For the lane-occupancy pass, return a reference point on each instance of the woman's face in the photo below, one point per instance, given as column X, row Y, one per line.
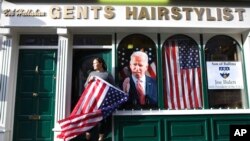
column 97, row 65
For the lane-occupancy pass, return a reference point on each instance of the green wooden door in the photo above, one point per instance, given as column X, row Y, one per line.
column 35, row 97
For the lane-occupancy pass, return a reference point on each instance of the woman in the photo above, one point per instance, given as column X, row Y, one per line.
column 100, row 70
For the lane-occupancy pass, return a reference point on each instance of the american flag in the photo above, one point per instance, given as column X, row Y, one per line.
column 182, row 78
column 151, row 70
column 98, row 101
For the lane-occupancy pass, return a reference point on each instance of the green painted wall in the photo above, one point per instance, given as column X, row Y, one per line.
column 176, row 128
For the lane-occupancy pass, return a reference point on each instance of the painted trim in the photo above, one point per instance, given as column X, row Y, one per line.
column 38, row 47
column 181, row 112
column 92, row 47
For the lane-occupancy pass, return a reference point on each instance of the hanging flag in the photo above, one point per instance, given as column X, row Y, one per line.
column 98, row 101
column 182, row 78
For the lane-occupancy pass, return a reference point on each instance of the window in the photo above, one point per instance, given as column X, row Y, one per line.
column 127, row 46
column 182, row 86
column 188, row 76
column 144, row 96
column 32, row 40
column 95, row 39
column 224, row 73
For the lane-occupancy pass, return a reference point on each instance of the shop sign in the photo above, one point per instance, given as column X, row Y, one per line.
column 114, row 15
column 224, row 75
column 132, row 13
column 135, row 1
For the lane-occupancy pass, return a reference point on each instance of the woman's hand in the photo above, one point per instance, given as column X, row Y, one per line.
column 91, row 79
column 126, row 85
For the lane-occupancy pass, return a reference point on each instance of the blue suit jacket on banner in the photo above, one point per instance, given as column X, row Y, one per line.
column 151, row 95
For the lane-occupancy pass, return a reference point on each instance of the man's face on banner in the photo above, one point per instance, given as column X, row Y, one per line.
column 138, row 66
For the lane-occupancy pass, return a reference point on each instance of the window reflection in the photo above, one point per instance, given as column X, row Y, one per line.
column 45, row 40
column 147, row 96
column 127, row 46
column 224, row 50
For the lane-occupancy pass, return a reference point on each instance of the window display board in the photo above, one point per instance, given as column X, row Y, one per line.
column 224, row 75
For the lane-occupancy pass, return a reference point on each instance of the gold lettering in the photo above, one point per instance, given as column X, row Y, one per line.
column 219, row 17
column 109, row 12
column 228, row 16
column 133, row 13
column 55, row 12
column 209, row 16
column 96, row 10
column 143, row 14
column 240, row 12
column 153, row 16
column 163, row 12
column 188, row 11
column 199, row 13
column 130, row 13
column 82, row 12
column 68, row 12
column 176, row 13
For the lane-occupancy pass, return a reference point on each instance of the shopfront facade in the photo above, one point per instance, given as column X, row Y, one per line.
column 198, row 54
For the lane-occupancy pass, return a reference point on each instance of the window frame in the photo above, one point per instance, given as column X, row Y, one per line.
column 201, row 40
column 238, row 39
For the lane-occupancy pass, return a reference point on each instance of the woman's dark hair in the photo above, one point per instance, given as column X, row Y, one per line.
column 100, row 60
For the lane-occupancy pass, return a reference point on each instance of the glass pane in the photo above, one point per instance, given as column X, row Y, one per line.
column 92, row 39
column 181, row 73
column 224, row 73
column 35, row 40
column 133, row 43
column 142, row 44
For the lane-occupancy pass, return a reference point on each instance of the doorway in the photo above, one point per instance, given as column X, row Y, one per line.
column 82, row 66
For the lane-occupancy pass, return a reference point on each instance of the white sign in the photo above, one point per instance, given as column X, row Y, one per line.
column 224, row 75
column 67, row 15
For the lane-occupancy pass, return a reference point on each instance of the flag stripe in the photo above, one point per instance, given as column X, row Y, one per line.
column 151, row 70
column 168, row 77
column 88, row 124
column 78, row 118
column 98, row 96
column 182, row 76
column 194, row 88
column 84, row 127
column 85, row 95
column 91, row 98
column 184, row 94
column 175, row 71
column 199, row 90
column 98, row 101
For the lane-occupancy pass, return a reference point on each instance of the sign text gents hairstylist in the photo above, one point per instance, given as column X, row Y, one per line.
column 36, row 15
column 148, row 13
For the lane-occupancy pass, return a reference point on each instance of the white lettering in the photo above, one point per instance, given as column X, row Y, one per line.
column 239, row 132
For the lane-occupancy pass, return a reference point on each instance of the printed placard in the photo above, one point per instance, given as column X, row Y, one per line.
column 224, row 75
